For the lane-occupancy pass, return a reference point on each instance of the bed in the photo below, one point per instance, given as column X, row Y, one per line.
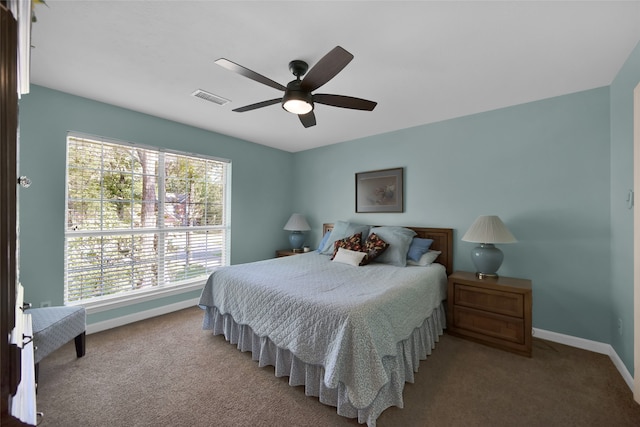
column 352, row 335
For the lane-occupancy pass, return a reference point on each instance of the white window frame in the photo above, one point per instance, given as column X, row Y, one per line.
column 103, row 303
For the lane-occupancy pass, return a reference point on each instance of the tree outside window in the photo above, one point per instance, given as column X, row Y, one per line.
column 139, row 218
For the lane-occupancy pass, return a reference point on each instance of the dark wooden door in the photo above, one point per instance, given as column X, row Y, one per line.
column 9, row 354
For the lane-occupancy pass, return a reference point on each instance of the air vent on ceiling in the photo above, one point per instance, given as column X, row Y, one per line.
column 199, row 93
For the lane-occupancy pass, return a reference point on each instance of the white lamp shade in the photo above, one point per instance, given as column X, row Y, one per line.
column 488, row 229
column 297, row 222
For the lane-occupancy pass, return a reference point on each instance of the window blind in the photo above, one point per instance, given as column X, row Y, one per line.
column 139, row 218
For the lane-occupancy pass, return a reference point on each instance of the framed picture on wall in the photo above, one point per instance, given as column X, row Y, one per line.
column 380, row 191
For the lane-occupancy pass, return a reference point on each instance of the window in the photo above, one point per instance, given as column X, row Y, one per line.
column 139, row 219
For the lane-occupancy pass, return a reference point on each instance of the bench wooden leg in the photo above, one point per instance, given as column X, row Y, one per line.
column 80, row 344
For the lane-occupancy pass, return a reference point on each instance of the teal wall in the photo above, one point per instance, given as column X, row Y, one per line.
column 621, row 216
column 543, row 167
column 557, row 172
column 46, row 116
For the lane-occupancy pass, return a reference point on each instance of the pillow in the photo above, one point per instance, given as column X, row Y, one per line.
column 373, row 247
column 399, row 240
column 418, row 248
column 342, row 229
column 339, row 231
column 353, row 243
column 425, row 259
column 323, row 241
column 346, row 256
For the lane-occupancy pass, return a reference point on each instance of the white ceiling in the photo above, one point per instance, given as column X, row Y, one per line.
column 422, row 61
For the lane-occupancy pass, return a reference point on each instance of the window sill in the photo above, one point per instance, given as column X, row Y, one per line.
column 112, row 303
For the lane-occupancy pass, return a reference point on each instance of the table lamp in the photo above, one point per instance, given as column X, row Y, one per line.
column 487, row 230
column 297, row 224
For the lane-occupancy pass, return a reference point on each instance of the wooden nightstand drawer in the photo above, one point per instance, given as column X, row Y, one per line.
column 488, row 324
column 507, row 303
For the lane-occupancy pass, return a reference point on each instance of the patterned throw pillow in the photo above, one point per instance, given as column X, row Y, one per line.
column 373, row 247
column 353, row 243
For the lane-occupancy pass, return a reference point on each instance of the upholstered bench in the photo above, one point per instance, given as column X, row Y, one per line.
column 53, row 327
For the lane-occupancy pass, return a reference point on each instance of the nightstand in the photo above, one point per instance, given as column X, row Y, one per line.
column 491, row 311
column 288, row 252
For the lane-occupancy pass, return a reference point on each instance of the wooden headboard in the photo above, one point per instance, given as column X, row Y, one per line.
column 442, row 241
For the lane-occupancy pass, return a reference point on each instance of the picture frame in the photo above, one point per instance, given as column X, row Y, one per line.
column 380, row 191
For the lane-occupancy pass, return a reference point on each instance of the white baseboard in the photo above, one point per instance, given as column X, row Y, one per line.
column 147, row 314
column 594, row 346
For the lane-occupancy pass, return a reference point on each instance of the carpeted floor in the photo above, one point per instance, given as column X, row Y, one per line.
column 167, row 371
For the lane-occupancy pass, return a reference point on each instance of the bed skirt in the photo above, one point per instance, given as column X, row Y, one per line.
column 400, row 368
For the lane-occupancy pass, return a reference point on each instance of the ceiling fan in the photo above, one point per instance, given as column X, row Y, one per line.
column 298, row 98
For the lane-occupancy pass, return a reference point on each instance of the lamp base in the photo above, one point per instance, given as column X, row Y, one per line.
column 487, row 260
column 296, row 240
column 486, row 275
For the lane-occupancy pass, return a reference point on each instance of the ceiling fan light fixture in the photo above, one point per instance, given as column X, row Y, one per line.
column 296, row 100
column 297, row 106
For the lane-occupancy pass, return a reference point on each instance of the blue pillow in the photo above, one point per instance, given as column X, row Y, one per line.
column 342, row 229
column 338, row 232
column 418, row 248
column 399, row 240
column 323, row 241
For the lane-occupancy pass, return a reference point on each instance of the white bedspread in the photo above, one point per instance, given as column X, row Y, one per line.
column 341, row 317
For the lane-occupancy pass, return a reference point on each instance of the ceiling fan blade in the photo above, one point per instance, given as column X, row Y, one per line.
column 232, row 66
column 344, row 101
column 308, row 119
column 326, row 69
column 258, row 105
